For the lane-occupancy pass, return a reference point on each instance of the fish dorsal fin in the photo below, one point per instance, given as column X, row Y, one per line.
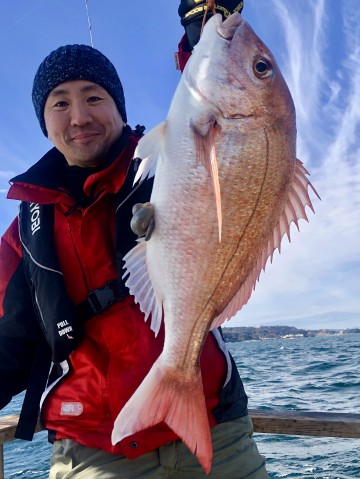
column 149, row 149
column 298, row 199
column 204, row 128
column 140, row 286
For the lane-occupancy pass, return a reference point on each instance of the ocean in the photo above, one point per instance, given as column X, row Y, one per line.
column 304, row 374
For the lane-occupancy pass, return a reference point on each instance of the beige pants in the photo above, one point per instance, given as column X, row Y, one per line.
column 235, row 457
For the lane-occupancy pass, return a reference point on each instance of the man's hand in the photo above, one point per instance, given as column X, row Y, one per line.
column 192, row 12
column 142, row 222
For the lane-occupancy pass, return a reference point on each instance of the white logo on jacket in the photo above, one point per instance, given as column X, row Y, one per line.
column 35, row 217
column 64, row 328
column 71, row 409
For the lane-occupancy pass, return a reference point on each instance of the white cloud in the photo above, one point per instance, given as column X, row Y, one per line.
column 316, row 276
column 6, row 174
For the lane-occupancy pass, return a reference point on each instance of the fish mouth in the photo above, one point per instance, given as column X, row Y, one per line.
column 228, row 27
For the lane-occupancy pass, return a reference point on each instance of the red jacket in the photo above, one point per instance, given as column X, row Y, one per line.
column 117, row 348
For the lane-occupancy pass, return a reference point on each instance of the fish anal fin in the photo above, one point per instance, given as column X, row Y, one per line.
column 163, row 397
column 204, row 128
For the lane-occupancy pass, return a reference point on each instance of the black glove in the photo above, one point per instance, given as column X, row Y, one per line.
column 191, row 13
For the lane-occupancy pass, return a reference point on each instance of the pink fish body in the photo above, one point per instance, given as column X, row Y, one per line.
column 227, row 186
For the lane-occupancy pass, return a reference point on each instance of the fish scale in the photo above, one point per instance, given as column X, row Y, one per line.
column 227, row 186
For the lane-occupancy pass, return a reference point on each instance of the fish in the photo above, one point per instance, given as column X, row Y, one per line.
column 227, row 186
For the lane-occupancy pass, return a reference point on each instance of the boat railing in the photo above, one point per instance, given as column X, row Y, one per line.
column 297, row 423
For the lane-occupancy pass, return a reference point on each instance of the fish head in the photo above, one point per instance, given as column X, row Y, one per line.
column 235, row 75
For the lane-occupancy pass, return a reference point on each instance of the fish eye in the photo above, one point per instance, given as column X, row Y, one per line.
column 262, row 67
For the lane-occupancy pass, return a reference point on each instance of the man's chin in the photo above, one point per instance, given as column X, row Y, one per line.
column 86, row 156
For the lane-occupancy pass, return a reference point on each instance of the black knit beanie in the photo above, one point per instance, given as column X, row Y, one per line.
column 75, row 62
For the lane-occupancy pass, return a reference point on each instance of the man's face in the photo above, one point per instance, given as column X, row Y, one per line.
column 82, row 121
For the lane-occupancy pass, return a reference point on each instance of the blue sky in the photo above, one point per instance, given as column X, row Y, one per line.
column 314, row 283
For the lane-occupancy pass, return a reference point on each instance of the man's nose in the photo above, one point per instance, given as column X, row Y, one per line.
column 80, row 114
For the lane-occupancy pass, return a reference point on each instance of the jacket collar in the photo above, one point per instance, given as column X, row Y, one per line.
column 44, row 181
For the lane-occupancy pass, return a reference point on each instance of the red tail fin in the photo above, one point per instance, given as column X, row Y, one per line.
column 165, row 395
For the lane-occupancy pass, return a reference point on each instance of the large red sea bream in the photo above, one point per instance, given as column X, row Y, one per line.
column 227, row 186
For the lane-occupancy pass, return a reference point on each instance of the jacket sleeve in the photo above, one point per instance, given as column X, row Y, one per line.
column 19, row 329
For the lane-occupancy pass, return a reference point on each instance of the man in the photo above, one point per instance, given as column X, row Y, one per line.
column 62, row 299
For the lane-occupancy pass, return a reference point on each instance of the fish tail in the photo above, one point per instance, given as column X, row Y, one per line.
column 180, row 403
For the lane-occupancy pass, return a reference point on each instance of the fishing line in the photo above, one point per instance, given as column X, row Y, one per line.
column 89, row 23
column 210, row 6
column 128, row 196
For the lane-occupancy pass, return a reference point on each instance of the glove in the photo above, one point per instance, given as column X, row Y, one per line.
column 142, row 222
column 191, row 13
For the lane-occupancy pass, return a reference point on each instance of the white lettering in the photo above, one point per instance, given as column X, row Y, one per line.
column 65, row 331
column 35, row 225
column 62, row 324
column 35, row 217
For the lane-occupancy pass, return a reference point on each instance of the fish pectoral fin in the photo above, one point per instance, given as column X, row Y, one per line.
column 149, row 149
column 216, row 185
column 204, row 128
column 164, row 397
column 140, row 285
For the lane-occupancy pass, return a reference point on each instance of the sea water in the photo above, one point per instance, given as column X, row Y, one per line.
column 304, row 374
column 301, row 374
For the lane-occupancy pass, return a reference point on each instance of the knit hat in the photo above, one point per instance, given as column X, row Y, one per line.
column 75, row 62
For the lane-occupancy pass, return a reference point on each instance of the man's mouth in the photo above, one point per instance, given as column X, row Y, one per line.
column 84, row 136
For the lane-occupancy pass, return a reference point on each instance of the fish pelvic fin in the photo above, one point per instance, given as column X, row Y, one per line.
column 204, row 128
column 164, row 397
column 298, row 199
column 140, row 285
column 149, row 149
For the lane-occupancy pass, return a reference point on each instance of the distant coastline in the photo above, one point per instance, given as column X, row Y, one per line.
column 261, row 333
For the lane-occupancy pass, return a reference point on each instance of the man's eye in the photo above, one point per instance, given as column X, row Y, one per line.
column 93, row 99
column 61, row 104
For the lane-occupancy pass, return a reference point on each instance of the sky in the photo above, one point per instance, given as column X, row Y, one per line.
column 314, row 282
